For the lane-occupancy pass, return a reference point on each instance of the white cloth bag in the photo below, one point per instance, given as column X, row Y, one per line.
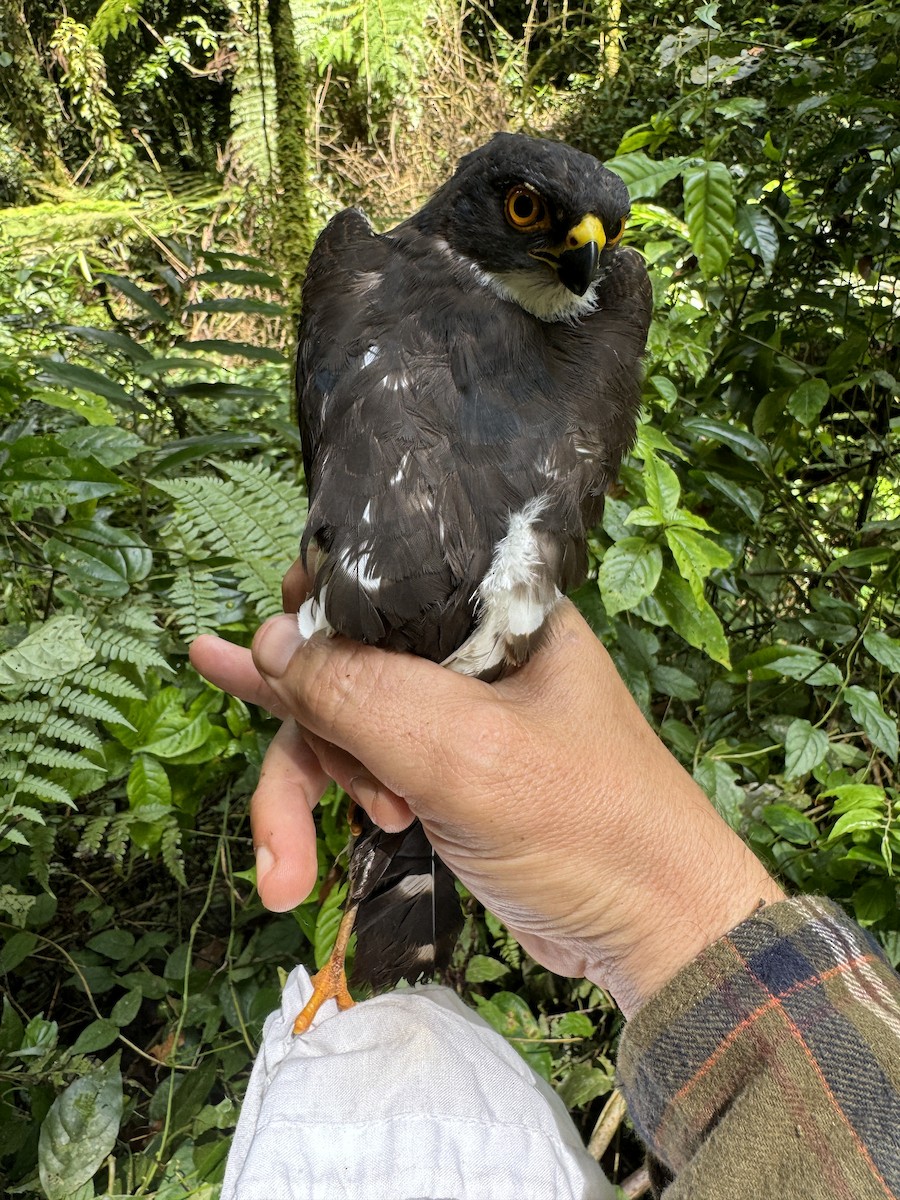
column 408, row 1096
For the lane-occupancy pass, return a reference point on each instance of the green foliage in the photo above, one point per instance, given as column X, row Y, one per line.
column 758, row 519
column 744, row 578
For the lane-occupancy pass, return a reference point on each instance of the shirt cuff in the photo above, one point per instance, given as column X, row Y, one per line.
column 797, row 993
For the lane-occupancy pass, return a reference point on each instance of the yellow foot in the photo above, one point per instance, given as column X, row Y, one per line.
column 328, row 984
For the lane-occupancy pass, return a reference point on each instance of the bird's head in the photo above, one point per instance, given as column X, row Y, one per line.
column 539, row 219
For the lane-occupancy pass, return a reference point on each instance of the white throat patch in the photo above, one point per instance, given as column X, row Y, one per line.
column 545, row 299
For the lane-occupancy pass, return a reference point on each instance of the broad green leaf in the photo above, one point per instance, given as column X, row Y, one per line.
column 235, row 304
column 662, row 488
column 884, row 649
column 110, row 447
column 94, row 409
column 741, row 441
column 573, row 1024
column 709, row 211
column 15, row 949
column 584, row 1083
column 808, row 400
column 629, row 572
column 85, row 379
column 747, row 499
column 797, row 662
column 876, row 899
column 707, row 14
column 113, row 943
column 139, row 297
column 240, row 275
column 175, row 453
column 867, row 556
column 126, row 1008
column 695, row 556
column 481, row 969
column 693, row 619
column 665, row 387
column 148, row 783
column 53, row 649
column 867, row 711
column 804, row 748
column 113, row 338
column 189, row 737
column 855, row 795
column 96, row 1036
column 855, row 820
column 99, row 557
column 643, row 177
column 790, row 824
column 233, row 349
column 672, row 682
column 80, row 1130
column 327, row 923
column 757, row 233
column 11, row 1028
column 719, row 780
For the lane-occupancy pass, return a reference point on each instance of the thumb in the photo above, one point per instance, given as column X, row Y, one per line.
column 396, row 713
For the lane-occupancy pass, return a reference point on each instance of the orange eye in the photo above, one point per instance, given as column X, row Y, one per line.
column 525, row 209
column 614, row 241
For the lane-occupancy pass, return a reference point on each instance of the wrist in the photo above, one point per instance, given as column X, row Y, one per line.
column 678, row 920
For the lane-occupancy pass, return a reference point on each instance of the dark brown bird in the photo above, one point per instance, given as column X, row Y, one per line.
column 468, row 384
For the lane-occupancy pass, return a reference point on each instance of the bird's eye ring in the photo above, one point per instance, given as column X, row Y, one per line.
column 525, row 209
column 614, row 241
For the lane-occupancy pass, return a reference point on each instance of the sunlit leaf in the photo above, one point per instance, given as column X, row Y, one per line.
column 629, row 572
column 709, row 211
column 804, row 748
column 867, row 710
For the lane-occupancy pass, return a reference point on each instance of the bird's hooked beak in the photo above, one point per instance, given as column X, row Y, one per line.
column 576, row 260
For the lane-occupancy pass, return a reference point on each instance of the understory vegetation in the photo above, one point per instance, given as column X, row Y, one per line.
column 161, row 186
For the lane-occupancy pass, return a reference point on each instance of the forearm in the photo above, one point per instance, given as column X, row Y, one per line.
column 770, row 1065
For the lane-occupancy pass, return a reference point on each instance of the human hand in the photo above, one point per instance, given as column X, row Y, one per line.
column 546, row 793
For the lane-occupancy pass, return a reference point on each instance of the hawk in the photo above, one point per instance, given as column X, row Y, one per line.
column 468, row 383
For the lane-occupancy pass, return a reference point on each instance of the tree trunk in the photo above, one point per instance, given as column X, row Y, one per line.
column 293, row 221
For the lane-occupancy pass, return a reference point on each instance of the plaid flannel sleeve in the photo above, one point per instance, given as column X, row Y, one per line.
column 770, row 1066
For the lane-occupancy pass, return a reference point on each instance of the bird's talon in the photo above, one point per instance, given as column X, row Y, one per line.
column 328, row 984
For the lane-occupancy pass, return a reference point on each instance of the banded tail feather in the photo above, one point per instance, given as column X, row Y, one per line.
column 409, row 913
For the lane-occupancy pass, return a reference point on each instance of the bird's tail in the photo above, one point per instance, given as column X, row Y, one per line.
column 409, row 912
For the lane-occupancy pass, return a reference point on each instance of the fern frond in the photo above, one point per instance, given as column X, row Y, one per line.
column 254, row 123
column 26, row 712
column 136, row 617
column 52, row 756
column 92, row 836
column 195, row 603
column 170, row 844
column 119, row 646
column 251, row 518
column 383, row 39
column 117, row 835
column 45, row 789
column 112, row 18
column 43, row 839
column 98, row 679
column 83, row 704
column 37, row 713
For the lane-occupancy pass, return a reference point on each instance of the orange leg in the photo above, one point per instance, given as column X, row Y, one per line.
column 331, row 982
